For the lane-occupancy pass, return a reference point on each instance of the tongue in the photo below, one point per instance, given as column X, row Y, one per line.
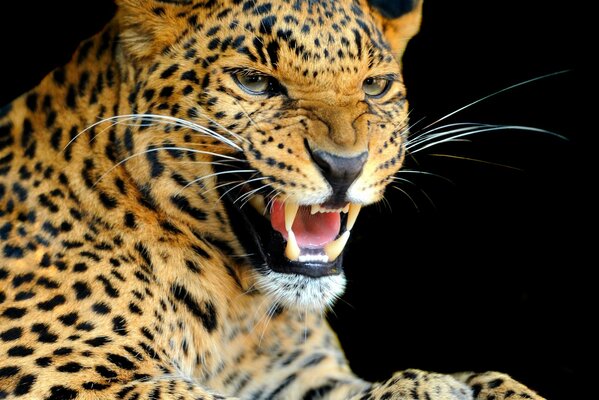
column 311, row 230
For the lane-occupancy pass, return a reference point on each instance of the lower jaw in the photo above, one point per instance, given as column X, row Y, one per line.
column 312, row 269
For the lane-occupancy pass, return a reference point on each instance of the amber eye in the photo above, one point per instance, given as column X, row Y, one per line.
column 376, row 87
column 256, row 83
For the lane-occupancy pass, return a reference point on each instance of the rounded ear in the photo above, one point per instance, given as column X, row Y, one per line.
column 149, row 26
column 400, row 21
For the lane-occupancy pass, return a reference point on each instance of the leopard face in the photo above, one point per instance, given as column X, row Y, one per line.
column 299, row 117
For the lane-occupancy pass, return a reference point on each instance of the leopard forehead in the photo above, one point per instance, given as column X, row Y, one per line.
column 325, row 38
column 304, row 42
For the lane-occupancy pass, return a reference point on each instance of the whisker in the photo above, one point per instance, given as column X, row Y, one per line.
column 220, row 164
column 421, row 135
column 477, row 160
column 240, row 184
column 157, row 118
column 411, row 171
column 258, row 310
column 428, row 136
column 234, row 134
column 387, row 203
column 158, row 149
column 195, row 127
column 408, row 196
column 246, row 113
column 490, row 129
column 495, row 94
column 273, row 194
column 91, row 127
column 222, row 185
column 248, row 195
column 235, row 171
column 398, row 179
column 269, row 316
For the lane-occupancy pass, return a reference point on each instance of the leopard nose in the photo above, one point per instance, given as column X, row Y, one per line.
column 340, row 172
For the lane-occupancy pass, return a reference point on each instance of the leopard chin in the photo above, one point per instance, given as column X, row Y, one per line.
column 300, row 292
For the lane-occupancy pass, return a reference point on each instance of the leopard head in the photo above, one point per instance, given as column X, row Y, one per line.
column 295, row 111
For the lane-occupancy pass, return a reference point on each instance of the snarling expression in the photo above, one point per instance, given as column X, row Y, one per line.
column 308, row 117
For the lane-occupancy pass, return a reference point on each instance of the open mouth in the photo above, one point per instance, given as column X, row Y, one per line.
column 290, row 238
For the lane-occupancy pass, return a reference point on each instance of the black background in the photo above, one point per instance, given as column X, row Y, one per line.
column 493, row 273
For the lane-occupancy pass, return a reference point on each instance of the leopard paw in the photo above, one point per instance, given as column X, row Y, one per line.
column 496, row 386
column 414, row 384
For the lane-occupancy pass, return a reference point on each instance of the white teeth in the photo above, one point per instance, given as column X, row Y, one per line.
column 314, row 258
column 258, row 203
column 335, row 248
column 352, row 216
column 317, row 208
column 292, row 251
column 290, row 213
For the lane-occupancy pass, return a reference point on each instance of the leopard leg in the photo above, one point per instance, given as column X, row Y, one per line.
column 496, row 386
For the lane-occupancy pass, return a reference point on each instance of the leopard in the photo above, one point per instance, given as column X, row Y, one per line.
column 176, row 200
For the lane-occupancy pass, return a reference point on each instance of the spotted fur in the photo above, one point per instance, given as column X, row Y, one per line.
column 120, row 274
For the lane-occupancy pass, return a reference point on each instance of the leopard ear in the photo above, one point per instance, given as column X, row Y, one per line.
column 147, row 27
column 400, row 21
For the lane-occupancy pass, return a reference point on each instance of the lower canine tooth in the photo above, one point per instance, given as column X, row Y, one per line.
column 352, row 216
column 292, row 251
column 290, row 213
column 335, row 248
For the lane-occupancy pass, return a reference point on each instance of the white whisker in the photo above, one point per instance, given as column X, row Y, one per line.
column 464, row 126
column 398, row 179
column 495, row 94
column 408, row 196
column 141, row 153
column 157, row 118
column 91, row 127
column 222, row 185
column 428, row 136
column 444, row 139
column 240, row 184
column 246, row 196
column 412, row 171
column 235, row 171
column 236, row 135
column 272, row 196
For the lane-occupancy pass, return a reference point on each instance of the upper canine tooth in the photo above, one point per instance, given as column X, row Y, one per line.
column 314, row 209
column 290, row 213
column 335, row 248
column 352, row 216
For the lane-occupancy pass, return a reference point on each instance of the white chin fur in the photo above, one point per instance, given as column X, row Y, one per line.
column 301, row 292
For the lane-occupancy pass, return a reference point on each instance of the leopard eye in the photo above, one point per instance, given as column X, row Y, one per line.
column 376, row 87
column 255, row 83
